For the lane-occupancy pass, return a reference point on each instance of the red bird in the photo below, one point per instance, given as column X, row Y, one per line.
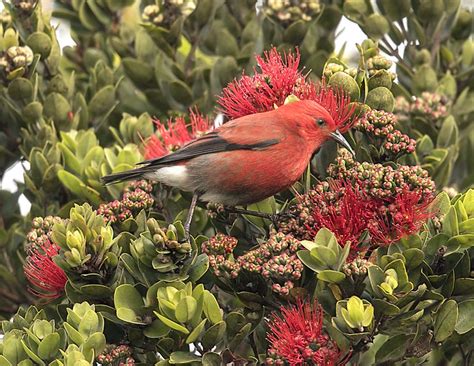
column 247, row 159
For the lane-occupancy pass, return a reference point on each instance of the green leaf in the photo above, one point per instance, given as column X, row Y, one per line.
column 393, row 348
column 157, row 329
column 215, row 334
column 185, row 309
column 89, row 324
column 180, row 92
column 309, row 261
column 465, row 321
column 448, row 134
column 172, row 324
column 139, row 71
column 71, row 161
column 376, row 277
column 347, row 318
column 127, row 296
column 468, row 202
column 129, row 304
column 102, row 101
column 180, row 357
column 31, row 354
column 465, row 241
column 414, row 257
column 210, row 359
column 49, row 346
column 461, row 211
column 235, row 321
column 76, row 186
column 325, row 255
column 445, row 320
column 326, row 238
column 211, row 308
column 94, row 345
column 450, row 222
column 441, row 204
column 73, row 334
column 400, row 269
column 129, row 316
column 384, row 307
column 331, row 276
column 464, row 286
column 194, row 335
column 4, row 361
column 199, row 268
column 342, row 257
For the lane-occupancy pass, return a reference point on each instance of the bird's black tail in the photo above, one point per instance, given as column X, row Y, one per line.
column 127, row 175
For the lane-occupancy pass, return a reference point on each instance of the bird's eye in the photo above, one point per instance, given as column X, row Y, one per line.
column 321, row 122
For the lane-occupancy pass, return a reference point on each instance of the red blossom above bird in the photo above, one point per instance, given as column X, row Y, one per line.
column 46, row 278
column 173, row 134
column 277, row 77
column 296, row 337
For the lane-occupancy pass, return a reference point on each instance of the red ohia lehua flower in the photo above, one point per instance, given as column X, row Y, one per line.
column 402, row 217
column 47, row 280
column 175, row 134
column 344, row 210
column 348, row 210
column 296, row 337
column 276, row 78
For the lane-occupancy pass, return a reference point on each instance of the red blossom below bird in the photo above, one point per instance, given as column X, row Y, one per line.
column 47, row 280
column 347, row 216
column 297, row 338
column 347, row 210
column 405, row 216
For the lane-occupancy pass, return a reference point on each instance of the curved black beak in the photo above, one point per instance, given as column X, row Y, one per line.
column 337, row 136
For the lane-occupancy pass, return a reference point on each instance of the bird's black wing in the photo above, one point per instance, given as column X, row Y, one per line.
column 208, row 144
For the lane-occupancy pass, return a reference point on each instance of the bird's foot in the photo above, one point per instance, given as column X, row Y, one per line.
column 275, row 218
column 189, row 218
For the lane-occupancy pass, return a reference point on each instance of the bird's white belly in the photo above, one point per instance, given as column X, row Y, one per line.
column 179, row 176
column 174, row 176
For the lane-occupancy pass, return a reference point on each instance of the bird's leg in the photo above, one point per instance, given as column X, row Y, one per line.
column 272, row 217
column 189, row 218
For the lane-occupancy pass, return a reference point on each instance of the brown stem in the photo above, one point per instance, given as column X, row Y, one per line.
column 385, row 46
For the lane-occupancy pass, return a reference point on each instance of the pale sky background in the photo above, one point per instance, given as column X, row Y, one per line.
column 348, row 32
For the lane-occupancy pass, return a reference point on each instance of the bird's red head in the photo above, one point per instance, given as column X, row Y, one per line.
column 309, row 119
column 323, row 117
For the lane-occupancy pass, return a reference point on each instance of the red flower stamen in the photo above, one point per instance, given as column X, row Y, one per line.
column 276, row 78
column 405, row 216
column 46, row 278
column 296, row 337
column 337, row 103
column 348, row 211
column 175, row 134
column 346, row 216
